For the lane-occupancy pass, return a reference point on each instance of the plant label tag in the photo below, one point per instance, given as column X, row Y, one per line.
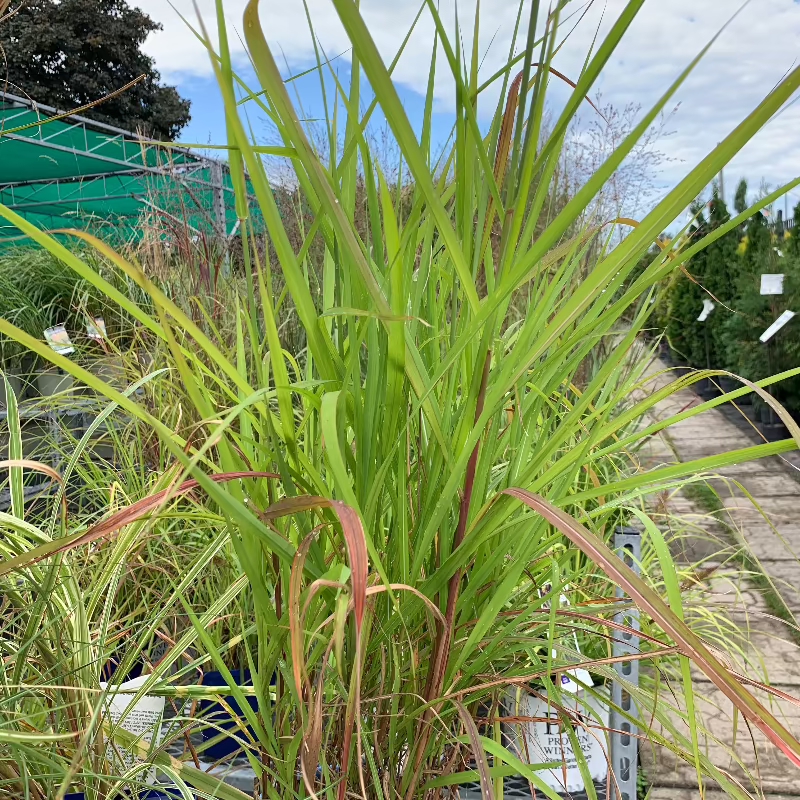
column 776, row 326
column 96, row 330
column 708, row 307
column 547, row 740
column 143, row 721
column 772, row 283
column 58, row 338
column 574, row 680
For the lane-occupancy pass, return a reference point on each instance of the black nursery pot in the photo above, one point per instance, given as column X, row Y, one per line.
column 220, row 716
column 679, row 370
column 772, row 429
column 111, row 668
column 728, row 384
column 706, row 388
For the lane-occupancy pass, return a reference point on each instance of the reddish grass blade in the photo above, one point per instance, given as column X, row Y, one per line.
column 118, row 520
column 296, row 618
column 487, row 790
column 26, row 463
column 356, row 543
column 353, row 535
column 650, row 602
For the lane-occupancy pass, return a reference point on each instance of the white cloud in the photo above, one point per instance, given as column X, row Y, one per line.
column 750, row 56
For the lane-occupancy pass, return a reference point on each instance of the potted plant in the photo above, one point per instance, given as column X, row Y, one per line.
column 13, row 374
column 219, row 744
column 236, row 650
column 16, row 361
column 51, row 381
column 431, row 454
column 770, row 424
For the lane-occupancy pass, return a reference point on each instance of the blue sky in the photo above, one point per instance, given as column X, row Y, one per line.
column 752, row 53
column 207, row 125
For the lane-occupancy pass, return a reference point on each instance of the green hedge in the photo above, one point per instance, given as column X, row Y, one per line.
column 711, row 274
column 729, row 272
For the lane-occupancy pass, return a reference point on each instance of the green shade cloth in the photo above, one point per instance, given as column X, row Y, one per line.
column 76, row 173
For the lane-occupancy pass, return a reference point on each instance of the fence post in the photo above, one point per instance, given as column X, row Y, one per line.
column 218, row 209
column 624, row 745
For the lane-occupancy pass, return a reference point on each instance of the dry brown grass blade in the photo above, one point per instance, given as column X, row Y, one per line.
column 505, row 137
column 354, row 538
column 651, row 603
column 36, row 466
column 312, row 742
column 118, row 520
column 357, row 553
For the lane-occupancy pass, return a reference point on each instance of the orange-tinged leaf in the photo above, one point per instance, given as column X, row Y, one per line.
column 296, row 618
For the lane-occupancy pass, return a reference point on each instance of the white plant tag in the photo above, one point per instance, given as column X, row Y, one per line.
column 143, row 720
column 776, row 326
column 708, row 307
column 97, row 329
column 772, row 283
column 58, row 338
column 548, row 740
column 575, row 679
column 569, row 680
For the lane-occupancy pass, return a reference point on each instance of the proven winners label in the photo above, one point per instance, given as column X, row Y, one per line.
column 548, row 741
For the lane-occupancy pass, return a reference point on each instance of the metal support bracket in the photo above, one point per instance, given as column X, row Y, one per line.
column 624, row 744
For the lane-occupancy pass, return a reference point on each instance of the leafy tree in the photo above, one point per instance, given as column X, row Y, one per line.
column 713, row 274
column 67, row 53
column 684, row 332
column 740, row 199
column 721, row 274
column 793, row 240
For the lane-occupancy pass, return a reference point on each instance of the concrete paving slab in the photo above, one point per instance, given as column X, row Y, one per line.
column 739, row 511
column 759, row 467
column 703, row 426
column 744, row 754
column 693, row 793
column 785, row 575
column 702, row 448
column 781, row 504
column 697, row 545
column 765, row 544
column 769, row 654
column 763, row 484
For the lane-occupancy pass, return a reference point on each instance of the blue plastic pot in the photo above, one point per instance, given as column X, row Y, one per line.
column 220, row 716
column 160, row 793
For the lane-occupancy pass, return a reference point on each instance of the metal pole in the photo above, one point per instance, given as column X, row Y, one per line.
column 218, row 208
column 624, row 745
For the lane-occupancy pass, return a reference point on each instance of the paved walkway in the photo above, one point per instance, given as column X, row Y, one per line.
column 768, row 647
